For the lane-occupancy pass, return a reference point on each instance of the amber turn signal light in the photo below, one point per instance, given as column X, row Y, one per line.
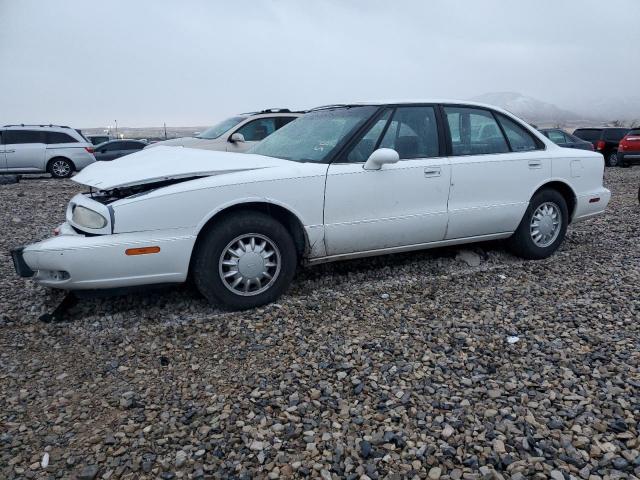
column 142, row 250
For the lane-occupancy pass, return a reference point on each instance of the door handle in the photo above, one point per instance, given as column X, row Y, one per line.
column 432, row 172
column 535, row 164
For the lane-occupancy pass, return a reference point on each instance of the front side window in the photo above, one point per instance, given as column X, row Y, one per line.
column 367, row 144
column 316, row 135
column 13, row 137
column 520, row 140
column 413, row 133
column 258, row 129
column 474, row 131
column 220, row 128
column 59, row 137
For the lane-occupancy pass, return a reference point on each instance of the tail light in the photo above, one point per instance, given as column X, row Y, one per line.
column 89, row 149
column 600, row 144
column 623, row 144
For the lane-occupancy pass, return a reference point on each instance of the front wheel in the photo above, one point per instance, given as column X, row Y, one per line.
column 612, row 160
column 60, row 168
column 543, row 226
column 244, row 261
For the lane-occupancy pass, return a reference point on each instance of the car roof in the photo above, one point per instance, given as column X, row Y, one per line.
column 602, row 128
column 428, row 101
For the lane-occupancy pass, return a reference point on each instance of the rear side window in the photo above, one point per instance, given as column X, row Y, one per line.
column 59, row 137
column 520, row 140
column 556, row 136
column 13, row 137
column 590, row 134
column 474, row 131
column 614, row 134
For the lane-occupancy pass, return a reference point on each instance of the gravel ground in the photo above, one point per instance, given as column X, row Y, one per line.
column 383, row 368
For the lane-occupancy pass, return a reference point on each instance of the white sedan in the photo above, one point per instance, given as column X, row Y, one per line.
column 341, row 182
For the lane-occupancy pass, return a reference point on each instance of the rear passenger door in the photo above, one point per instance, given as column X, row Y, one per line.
column 25, row 150
column 496, row 165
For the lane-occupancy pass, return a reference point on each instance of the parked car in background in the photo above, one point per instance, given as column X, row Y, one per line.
column 340, row 182
column 629, row 148
column 605, row 140
column 98, row 139
column 236, row 134
column 58, row 150
column 566, row 140
column 117, row 148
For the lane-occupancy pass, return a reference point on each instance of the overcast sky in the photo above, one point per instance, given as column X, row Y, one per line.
column 85, row 63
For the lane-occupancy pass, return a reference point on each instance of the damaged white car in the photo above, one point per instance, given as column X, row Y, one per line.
column 341, row 182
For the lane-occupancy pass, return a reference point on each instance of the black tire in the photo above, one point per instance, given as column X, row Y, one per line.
column 60, row 167
column 612, row 160
column 207, row 268
column 522, row 243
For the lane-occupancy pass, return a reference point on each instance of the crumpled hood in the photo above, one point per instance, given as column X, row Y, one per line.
column 192, row 142
column 168, row 163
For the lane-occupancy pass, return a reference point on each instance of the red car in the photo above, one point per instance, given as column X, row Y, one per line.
column 629, row 148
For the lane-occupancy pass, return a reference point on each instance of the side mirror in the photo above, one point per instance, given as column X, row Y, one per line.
column 381, row 157
column 237, row 138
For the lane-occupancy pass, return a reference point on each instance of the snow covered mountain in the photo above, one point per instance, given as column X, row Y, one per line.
column 528, row 108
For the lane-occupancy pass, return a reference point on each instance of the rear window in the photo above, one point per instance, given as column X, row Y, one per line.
column 634, row 131
column 59, row 137
column 590, row 134
column 13, row 137
column 615, row 134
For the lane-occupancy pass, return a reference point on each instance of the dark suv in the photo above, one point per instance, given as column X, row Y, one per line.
column 605, row 140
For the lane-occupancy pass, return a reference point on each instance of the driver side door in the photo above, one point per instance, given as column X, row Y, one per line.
column 402, row 204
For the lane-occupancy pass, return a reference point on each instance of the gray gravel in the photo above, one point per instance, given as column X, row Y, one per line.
column 383, row 368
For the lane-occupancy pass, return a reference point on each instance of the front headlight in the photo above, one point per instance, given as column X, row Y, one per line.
column 88, row 218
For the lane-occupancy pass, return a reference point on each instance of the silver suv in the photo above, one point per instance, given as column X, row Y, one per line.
column 55, row 149
column 236, row 134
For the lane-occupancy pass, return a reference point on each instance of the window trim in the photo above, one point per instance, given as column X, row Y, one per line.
column 540, row 144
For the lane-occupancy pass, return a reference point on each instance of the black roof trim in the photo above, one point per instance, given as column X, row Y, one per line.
column 27, row 125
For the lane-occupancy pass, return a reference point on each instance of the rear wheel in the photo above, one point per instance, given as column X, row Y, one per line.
column 543, row 226
column 612, row 160
column 244, row 261
column 60, row 168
